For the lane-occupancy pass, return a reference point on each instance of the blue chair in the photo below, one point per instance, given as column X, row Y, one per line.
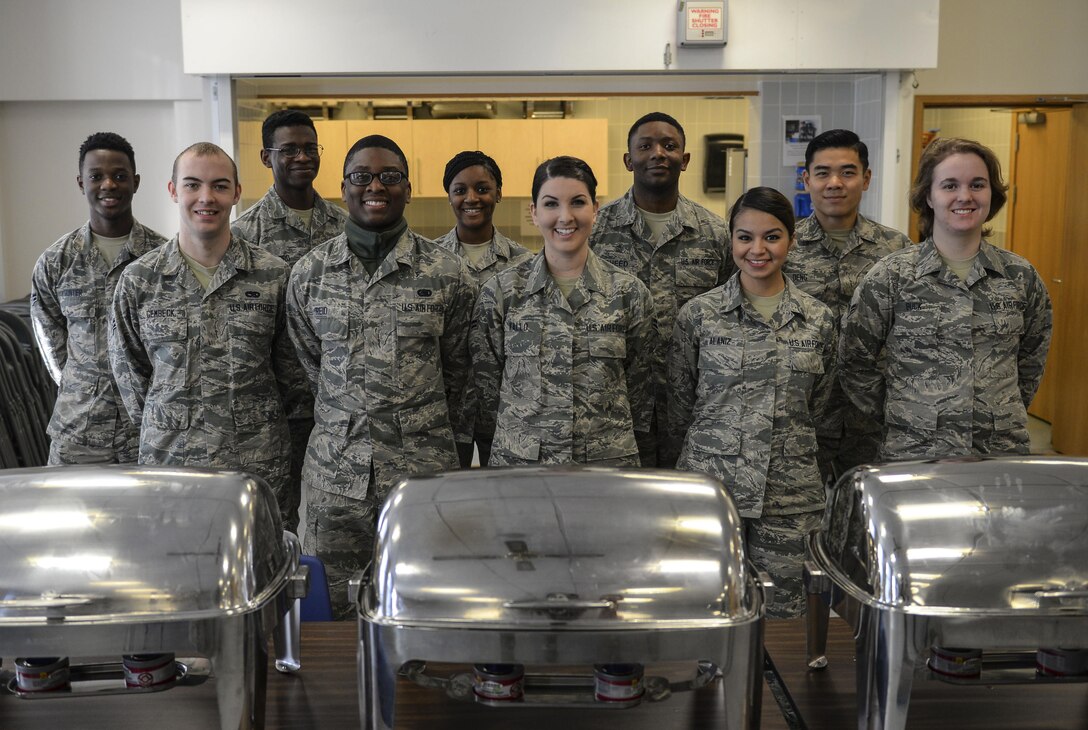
column 317, row 605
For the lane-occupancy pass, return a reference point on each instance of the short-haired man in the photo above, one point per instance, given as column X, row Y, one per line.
column 678, row 248
column 289, row 221
column 70, row 295
column 836, row 247
column 380, row 319
column 198, row 342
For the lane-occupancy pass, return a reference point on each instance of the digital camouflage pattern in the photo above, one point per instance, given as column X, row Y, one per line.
column 271, row 225
column 563, row 379
column 387, row 358
column 831, row 275
column 963, row 359
column 201, row 373
column 750, row 399
column 694, row 258
column 776, row 545
column 71, row 292
column 502, row 254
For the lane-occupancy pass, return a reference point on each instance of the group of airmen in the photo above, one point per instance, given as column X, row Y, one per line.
column 334, row 353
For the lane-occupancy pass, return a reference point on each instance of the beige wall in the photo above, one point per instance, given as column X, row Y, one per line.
column 1010, row 47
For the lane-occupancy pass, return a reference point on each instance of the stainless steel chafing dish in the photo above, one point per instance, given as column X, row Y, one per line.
column 112, row 561
column 559, row 566
column 987, row 554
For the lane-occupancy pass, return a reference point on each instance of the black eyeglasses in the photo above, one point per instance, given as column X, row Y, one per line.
column 293, row 150
column 385, row 177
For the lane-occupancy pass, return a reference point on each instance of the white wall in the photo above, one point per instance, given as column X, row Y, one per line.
column 72, row 68
column 564, row 36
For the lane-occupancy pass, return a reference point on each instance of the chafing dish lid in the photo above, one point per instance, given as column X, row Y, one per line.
column 102, row 544
column 539, row 547
column 985, row 535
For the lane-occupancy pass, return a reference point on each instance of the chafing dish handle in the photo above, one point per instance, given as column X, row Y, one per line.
column 355, row 584
column 561, row 603
column 1057, row 594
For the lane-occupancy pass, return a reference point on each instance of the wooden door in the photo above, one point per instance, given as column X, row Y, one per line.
column 1039, row 170
column 1070, row 425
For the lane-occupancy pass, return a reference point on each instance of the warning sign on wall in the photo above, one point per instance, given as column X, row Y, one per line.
column 702, row 23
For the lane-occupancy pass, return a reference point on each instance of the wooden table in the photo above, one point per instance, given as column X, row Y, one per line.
column 324, row 695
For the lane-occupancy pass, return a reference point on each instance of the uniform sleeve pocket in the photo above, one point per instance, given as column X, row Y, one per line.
column 918, row 416
column 167, row 416
column 256, row 409
column 424, row 419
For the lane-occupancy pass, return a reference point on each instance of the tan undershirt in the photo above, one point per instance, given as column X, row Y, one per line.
column 656, row 222
column 475, row 252
column 839, row 240
column 961, row 268
column 305, row 215
column 566, row 284
column 108, row 247
column 203, row 274
column 765, row 306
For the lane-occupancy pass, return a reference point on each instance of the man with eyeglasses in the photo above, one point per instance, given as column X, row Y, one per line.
column 289, row 221
column 70, row 295
column 380, row 318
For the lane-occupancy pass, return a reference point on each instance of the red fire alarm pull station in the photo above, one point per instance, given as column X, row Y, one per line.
column 701, row 23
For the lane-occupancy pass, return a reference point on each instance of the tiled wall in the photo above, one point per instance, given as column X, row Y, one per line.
column 991, row 128
column 848, row 101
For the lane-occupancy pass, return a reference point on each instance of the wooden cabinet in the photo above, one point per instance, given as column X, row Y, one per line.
column 434, row 142
column 518, row 145
column 584, row 138
column 398, row 130
column 333, row 137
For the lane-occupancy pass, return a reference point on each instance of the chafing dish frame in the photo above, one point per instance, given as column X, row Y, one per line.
column 892, row 642
column 235, row 642
column 389, row 649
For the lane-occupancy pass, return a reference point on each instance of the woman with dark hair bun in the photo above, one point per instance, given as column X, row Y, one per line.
column 473, row 182
column 751, row 366
column 945, row 342
column 560, row 341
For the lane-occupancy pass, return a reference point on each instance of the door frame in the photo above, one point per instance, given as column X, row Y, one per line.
column 923, row 102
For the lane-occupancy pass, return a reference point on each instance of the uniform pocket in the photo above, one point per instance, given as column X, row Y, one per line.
column 608, row 345
column 423, row 419
column 807, row 362
column 169, row 328
column 166, row 416
column 251, row 411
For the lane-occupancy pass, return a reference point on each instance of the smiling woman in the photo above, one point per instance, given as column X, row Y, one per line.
column 965, row 326
column 473, row 183
column 562, row 340
column 751, row 364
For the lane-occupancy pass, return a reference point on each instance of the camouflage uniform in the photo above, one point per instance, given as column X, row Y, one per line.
column 270, row 224
column 387, row 357
column 70, row 296
column 694, row 258
column 563, row 379
column 502, row 254
column 831, row 276
column 964, row 358
column 202, row 372
column 749, row 401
